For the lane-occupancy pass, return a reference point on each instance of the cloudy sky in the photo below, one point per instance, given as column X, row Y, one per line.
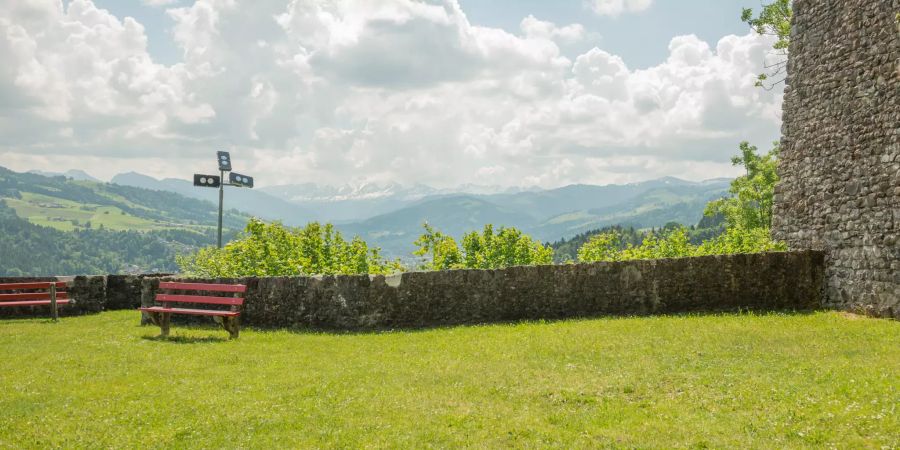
column 441, row 92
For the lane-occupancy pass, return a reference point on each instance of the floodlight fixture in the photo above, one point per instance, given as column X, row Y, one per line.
column 239, row 180
column 224, row 161
column 211, row 181
column 216, row 181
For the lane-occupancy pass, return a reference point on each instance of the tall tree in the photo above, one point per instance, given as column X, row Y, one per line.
column 443, row 249
column 750, row 205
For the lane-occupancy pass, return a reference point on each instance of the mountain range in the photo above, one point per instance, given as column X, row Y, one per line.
column 251, row 201
column 75, row 174
column 391, row 215
column 360, row 201
column 545, row 214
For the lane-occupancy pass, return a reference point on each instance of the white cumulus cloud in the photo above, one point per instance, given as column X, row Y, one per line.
column 615, row 8
column 540, row 29
column 159, row 2
column 391, row 90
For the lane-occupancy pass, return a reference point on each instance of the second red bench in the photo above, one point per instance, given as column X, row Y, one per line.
column 228, row 318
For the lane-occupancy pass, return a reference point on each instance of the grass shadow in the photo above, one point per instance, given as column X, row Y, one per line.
column 413, row 328
column 26, row 319
column 186, row 339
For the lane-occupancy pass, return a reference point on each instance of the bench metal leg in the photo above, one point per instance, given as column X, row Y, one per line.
column 164, row 324
column 235, row 327
column 163, row 320
column 230, row 324
column 54, row 312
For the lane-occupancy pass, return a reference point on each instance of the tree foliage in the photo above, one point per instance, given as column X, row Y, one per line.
column 486, row 250
column 675, row 243
column 622, row 238
column 441, row 248
column 750, row 205
column 566, row 249
column 739, row 240
column 605, row 246
column 671, row 243
column 747, row 214
column 271, row 249
column 774, row 19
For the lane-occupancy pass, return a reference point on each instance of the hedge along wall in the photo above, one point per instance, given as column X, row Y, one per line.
column 769, row 281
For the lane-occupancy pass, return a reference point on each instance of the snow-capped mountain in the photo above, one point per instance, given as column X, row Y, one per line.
column 312, row 192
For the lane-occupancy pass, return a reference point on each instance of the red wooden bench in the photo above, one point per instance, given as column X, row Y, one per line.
column 49, row 293
column 161, row 315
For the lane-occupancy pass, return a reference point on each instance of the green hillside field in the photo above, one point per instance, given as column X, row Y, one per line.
column 66, row 215
column 59, row 226
column 66, row 205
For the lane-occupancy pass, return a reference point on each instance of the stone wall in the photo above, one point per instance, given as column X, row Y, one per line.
column 124, row 291
column 88, row 294
column 840, row 161
column 770, row 281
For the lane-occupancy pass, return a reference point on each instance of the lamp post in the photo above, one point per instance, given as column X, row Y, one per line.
column 218, row 181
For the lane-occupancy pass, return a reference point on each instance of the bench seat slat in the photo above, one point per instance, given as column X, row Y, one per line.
column 172, row 298
column 203, row 287
column 31, row 285
column 33, row 303
column 193, row 312
column 32, row 296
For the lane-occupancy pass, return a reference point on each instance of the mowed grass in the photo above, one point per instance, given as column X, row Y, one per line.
column 762, row 381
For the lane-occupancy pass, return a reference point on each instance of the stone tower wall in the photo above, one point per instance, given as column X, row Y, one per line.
column 840, row 161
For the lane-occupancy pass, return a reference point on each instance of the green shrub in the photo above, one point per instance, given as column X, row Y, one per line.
column 486, row 250
column 271, row 249
column 675, row 244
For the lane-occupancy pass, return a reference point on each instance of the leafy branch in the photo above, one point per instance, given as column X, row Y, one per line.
column 773, row 20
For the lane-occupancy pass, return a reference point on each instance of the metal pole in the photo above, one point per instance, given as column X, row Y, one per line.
column 221, row 196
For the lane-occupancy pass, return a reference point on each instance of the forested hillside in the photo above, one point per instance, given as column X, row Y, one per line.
column 59, row 226
column 66, row 204
column 34, row 250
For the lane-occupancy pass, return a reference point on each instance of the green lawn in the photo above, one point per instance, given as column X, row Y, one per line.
column 761, row 381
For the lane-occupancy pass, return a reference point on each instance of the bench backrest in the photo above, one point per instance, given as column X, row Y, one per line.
column 32, row 286
column 236, row 300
